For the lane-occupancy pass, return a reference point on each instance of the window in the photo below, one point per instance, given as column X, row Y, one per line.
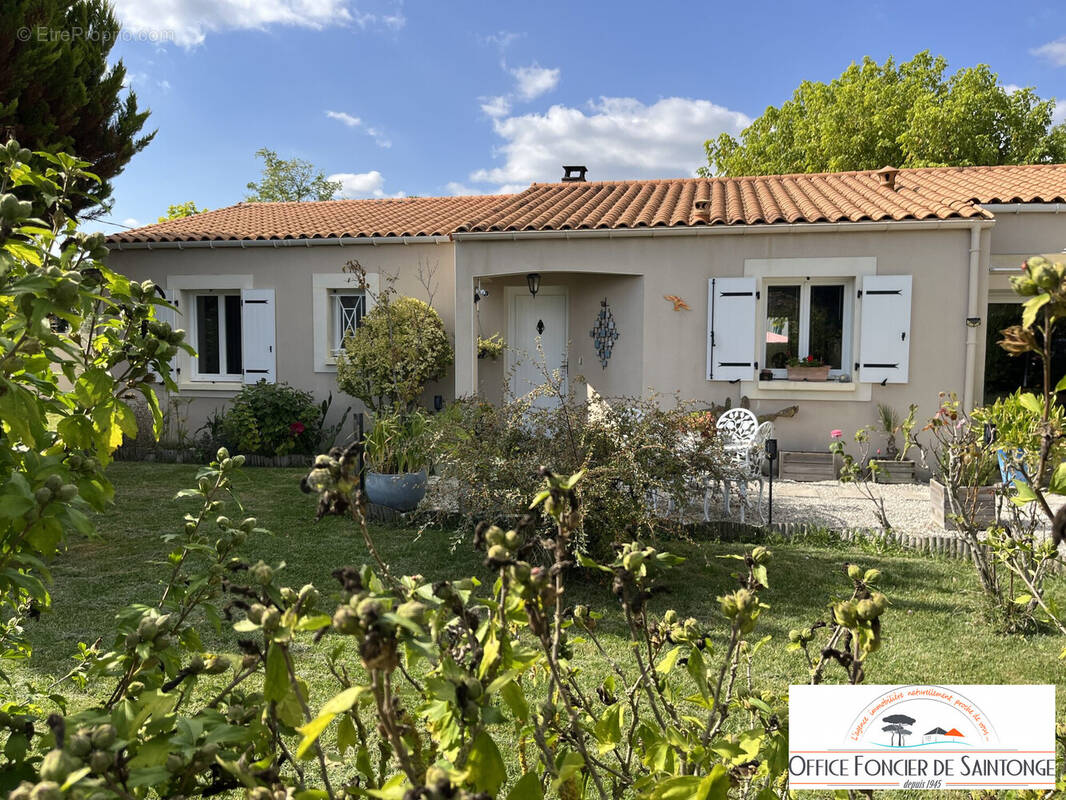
column 1004, row 373
column 218, row 330
column 346, row 314
column 808, row 318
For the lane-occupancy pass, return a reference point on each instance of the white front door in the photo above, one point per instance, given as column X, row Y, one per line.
column 538, row 320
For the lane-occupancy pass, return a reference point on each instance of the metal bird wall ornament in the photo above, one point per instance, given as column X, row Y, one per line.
column 679, row 304
column 604, row 333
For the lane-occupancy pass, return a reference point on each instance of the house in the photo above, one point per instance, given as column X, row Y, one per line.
column 898, row 279
column 934, row 735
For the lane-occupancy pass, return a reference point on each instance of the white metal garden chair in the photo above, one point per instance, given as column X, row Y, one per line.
column 744, row 443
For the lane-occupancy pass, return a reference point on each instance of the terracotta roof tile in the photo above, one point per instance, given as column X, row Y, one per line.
column 332, row 219
column 918, row 194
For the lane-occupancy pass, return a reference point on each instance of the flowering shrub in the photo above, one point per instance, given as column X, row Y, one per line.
column 272, row 419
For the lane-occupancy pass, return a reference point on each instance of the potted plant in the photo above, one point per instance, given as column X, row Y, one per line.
column 492, row 347
column 896, row 468
column 808, row 368
column 965, row 478
column 396, row 456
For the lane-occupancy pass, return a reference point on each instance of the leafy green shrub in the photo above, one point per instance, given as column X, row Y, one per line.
column 399, row 347
column 638, row 458
column 63, row 387
column 272, row 419
column 1018, row 425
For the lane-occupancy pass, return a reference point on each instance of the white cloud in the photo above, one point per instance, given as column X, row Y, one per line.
column 351, row 121
column 346, row 118
column 534, row 80
column 617, row 137
column 530, row 83
column 457, row 188
column 130, row 222
column 499, row 106
column 393, row 21
column 1055, row 52
column 1058, row 116
column 362, row 184
column 187, row 22
column 501, row 39
column 1011, row 88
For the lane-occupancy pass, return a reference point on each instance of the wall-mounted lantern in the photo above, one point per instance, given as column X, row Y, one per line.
column 533, row 282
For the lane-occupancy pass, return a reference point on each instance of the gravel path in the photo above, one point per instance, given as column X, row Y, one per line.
column 839, row 506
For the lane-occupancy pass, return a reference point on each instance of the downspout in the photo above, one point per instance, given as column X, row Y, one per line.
column 972, row 313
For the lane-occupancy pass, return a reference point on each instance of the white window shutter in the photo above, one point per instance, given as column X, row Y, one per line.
column 732, row 306
column 257, row 315
column 885, row 330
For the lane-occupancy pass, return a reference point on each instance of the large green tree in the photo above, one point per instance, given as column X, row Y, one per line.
column 58, row 93
column 179, row 210
column 909, row 115
column 287, row 180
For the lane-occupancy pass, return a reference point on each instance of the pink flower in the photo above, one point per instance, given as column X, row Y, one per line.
column 878, row 451
column 297, row 428
column 836, row 433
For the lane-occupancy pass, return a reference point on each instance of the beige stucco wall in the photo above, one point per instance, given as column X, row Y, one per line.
column 1026, row 233
column 674, row 343
column 624, row 374
column 659, row 350
column 289, row 271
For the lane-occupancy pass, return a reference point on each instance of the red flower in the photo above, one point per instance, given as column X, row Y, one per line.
column 297, row 428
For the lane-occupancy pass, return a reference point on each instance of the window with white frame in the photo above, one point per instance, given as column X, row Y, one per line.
column 217, row 332
column 807, row 317
column 347, row 308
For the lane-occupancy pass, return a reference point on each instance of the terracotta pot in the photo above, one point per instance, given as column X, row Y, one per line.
column 808, row 373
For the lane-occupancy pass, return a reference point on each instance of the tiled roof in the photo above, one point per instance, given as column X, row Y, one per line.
column 917, row 194
column 331, row 219
column 1031, row 183
column 829, row 197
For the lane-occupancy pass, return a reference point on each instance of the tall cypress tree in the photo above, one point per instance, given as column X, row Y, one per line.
column 57, row 92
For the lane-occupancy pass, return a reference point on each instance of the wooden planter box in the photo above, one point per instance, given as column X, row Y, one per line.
column 891, row 471
column 798, row 466
column 985, row 512
column 809, row 373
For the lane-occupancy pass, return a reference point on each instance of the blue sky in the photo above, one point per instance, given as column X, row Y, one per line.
column 427, row 98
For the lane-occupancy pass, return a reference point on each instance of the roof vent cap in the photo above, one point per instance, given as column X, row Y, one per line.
column 574, row 174
column 886, row 176
column 701, row 211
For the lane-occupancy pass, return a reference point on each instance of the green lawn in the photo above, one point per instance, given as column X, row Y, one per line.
column 933, row 631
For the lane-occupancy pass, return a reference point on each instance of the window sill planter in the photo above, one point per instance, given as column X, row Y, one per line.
column 984, row 505
column 402, row 492
column 892, row 471
column 818, row 374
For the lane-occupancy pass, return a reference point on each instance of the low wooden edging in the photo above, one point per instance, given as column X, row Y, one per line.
column 945, row 545
column 163, row 455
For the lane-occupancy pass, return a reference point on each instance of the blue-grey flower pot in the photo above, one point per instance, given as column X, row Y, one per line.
column 401, row 492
